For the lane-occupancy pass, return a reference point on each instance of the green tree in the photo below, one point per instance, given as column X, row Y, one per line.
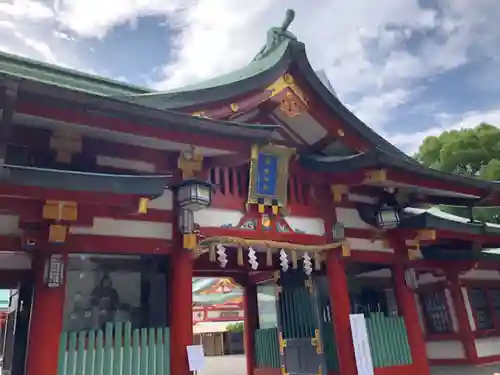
column 236, row 327
column 472, row 152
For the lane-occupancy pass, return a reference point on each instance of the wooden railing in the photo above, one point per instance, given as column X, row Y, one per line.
column 116, row 350
column 267, row 348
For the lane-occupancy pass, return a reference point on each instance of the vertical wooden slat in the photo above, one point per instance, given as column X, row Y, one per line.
column 80, row 353
column 71, row 364
column 63, row 342
column 107, row 364
column 144, row 352
column 234, row 182
column 166, row 350
column 226, row 180
column 135, row 352
column 151, row 351
column 159, row 352
column 117, row 349
column 127, row 349
column 90, row 357
column 99, row 353
column 267, row 348
column 300, row 192
column 388, row 340
column 292, row 192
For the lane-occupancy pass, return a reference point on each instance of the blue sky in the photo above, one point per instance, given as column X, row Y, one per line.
column 408, row 68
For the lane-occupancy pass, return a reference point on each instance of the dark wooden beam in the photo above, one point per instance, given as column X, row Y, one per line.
column 8, row 103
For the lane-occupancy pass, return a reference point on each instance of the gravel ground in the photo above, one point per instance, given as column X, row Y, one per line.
column 235, row 365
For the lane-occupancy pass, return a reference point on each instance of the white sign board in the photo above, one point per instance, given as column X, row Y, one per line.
column 196, row 357
column 361, row 344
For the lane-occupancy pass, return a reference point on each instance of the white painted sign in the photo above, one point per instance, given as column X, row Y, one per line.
column 196, row 357
column 361, row 344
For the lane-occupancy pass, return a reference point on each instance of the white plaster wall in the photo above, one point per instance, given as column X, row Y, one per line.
column 384, row 273
column 350, row 218
column 125, row 228
column 164, row 202
column 307, row 225
column 9, row 225
column 10, row 260
column 361, row 198
column 487, row 347
column 121, row 163
column 429, row 278
column 214, row 217
column 481, row 275
column 368, row 245
column 445, row 350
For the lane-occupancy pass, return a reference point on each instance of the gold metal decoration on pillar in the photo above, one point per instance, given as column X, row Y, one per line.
column 338, row 192
column 66, row 145
column 190, row 162
column 60, row 213
column 269, row 177
column 143, row 206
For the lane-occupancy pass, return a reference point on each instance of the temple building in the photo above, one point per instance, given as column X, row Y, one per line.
column 114, row 197
column 216, row 300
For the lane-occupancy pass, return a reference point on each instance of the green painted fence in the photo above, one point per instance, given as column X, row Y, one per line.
column 267, row 348
column 330, row 347
column 388, row 340
column 118, row 350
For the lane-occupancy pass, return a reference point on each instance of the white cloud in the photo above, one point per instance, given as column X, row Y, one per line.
column 360, row 44
column 376, row 107
column 94, row 18
column 446, row 121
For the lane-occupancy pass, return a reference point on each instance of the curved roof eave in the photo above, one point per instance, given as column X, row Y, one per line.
column 304, row 66
column 259, row 73
column 141, row 185
column 98, row 105
column 379, row 158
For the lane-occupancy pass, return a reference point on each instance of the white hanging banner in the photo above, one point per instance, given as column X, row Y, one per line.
column 361, row 344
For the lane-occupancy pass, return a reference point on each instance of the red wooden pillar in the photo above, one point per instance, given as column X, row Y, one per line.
column 181, row 311
column 464, row 328
column 251, row 324
column 46, row 322
column 408, row 308
column 341, row 308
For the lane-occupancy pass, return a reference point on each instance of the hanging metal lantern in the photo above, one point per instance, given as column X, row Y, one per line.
column 186, row 221
column 388, row 217
column 338, row 232
column 194, row 195
column 411, row 279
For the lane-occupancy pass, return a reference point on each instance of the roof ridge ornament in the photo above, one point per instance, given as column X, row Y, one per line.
column 277, row 35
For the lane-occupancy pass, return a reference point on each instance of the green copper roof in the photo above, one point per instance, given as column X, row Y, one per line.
column 33, row 70
column 434, row 218
column 141, row 185
column 180, row 97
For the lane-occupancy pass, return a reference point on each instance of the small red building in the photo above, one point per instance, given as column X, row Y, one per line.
column 114, row 197
column 216, row 300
